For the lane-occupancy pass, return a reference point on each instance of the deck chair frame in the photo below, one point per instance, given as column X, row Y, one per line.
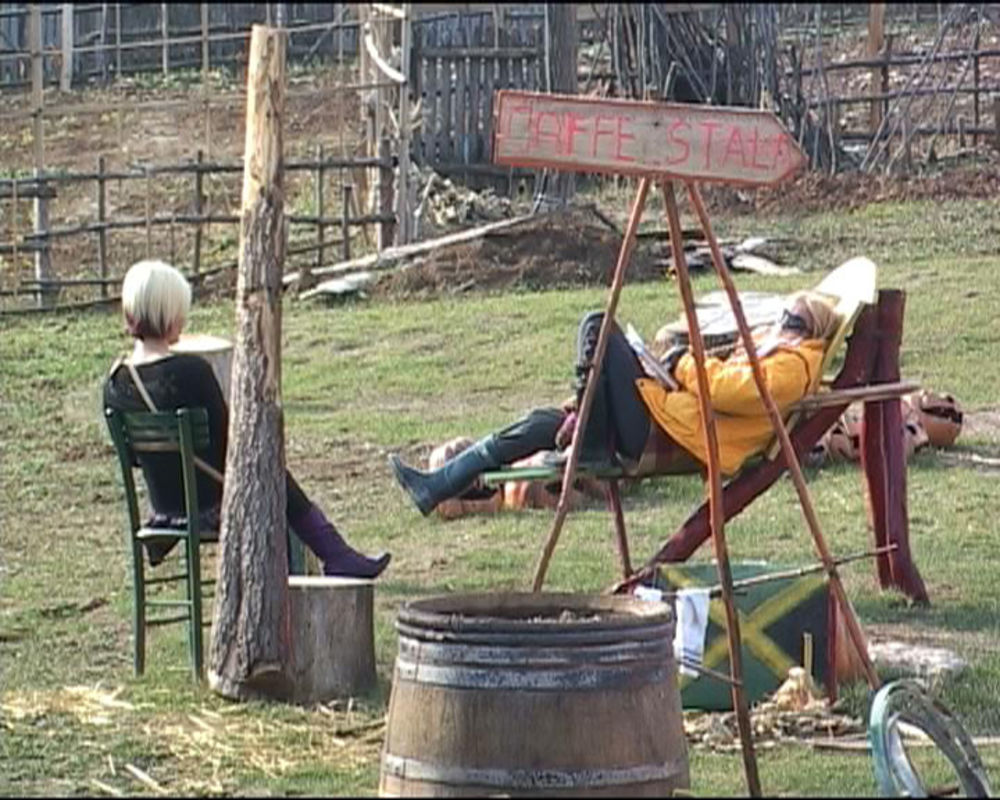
column 869, row 374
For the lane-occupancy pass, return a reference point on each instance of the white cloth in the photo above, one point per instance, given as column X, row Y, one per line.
column 691, row 610
column 691, row 623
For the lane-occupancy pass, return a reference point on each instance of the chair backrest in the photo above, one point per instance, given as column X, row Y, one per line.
column 852, row 285
column 182, row 431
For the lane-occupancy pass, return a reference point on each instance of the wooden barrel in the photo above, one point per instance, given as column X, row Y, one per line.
column 534, row 695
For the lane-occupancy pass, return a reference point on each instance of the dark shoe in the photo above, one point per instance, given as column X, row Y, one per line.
column 338, row 557
column 354, row 565
column 427, row 489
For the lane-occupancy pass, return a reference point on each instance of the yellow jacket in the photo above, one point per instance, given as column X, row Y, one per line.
column 741, row 422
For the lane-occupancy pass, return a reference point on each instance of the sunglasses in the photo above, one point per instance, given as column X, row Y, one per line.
column 794, row 322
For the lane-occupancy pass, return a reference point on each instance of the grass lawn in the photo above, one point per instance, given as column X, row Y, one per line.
column 365, row 379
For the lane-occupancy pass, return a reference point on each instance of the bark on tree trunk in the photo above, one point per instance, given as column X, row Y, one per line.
column 251, row 630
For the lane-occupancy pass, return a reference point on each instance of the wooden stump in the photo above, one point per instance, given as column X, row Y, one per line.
column 218, row 352
column 333, row 640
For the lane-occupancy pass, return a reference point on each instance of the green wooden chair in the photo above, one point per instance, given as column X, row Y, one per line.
column 183, row 431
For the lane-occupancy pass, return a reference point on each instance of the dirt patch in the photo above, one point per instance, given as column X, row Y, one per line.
column 556, row 251
column 812, row 192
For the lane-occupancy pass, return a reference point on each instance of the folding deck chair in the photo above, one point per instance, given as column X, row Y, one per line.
column 872, row 326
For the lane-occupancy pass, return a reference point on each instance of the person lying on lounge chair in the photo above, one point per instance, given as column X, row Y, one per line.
column 629, row 407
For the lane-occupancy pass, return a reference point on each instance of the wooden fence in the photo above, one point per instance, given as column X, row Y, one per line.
column 80, row 42
column 950, row 88
column 455, row 71
column 309, row 245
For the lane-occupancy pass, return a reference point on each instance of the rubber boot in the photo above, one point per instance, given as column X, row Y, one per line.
column 338, row 557
column 427, row 489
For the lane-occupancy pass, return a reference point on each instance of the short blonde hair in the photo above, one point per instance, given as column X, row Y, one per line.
column 155, row 296
column 823, row 318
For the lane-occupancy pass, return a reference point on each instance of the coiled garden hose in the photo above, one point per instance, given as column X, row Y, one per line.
column 906, row 701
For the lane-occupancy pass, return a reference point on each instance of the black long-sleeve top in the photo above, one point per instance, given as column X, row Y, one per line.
column 176, row 381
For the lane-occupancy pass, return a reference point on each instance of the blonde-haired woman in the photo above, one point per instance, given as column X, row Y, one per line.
column 156, row 298
column 629, row 406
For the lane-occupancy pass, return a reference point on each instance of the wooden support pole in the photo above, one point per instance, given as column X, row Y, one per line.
column 149, row 215
column 102, row 216
column 384, row 232
column 251, row 645
column 199, row 208
column 618, row 517
column 403, row 210
column 874, row 46
column 319, row 200
column 165, row 32
column 43, row 263
column 791, row 459
column 583, row 413
column 345, row 220
column 884, row 460
column 716, row 514
column 118, row 50
column 975, row 85
column 996, row 121
column 66, row 73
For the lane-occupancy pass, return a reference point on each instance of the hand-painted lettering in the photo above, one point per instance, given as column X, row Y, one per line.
column 709, row 127
column 690, row 142
column 621, row 137
column 681, row 143
column 734, row 147
column 599, row 131
column 575, row 125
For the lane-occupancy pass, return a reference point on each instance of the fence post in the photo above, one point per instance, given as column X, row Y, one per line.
column 66, row 73
column 118, row 41
column 385, row 229
column 102, row 234
column 149, row 215
column 199, row 211
column 403, row 210
column 874, row 45
column 165, row 27
column 996, row 121
column 204, row 44
column 305, row 280
column 43, row 263
column 975, row 87
column 345, row 221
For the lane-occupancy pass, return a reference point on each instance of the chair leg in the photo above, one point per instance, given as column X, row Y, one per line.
column 138, row 610
column 194, row 598
column 615, row 503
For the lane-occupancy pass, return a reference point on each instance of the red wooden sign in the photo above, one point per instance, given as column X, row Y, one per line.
column 692, row 142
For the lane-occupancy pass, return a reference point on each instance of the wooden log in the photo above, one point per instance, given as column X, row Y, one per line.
column 333, row 643
column 250, row 653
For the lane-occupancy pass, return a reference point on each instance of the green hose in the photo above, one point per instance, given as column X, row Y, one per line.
column 906, row 701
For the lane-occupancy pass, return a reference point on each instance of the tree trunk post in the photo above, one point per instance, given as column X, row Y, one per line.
column 250, row 653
